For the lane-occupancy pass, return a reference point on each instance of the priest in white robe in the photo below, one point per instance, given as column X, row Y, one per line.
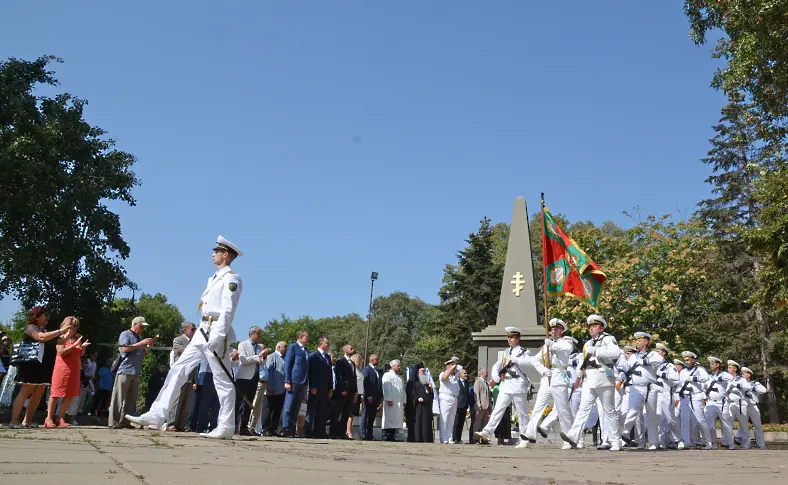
column 393, row 401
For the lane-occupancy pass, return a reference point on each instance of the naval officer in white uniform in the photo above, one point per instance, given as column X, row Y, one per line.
column 509, row 371
column 217, row 305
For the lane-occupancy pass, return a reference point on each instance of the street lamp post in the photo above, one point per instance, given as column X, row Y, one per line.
column 372, row 277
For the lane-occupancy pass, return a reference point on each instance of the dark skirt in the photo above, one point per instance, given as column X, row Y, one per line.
column 39, row 372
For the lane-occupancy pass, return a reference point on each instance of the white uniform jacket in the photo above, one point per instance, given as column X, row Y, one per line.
column 515, row 380
column 604, row 353
column 717, row 387
column 217, row 304
column 694, row 379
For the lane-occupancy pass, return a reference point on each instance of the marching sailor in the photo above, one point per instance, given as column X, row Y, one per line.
column 555, row 381
column 718, row 404
column 217, row 305
column 753, row 398
column 569, row 416
column 600, row 353
column 667, row 377
column 642, row 375
column 691, row 393
column 508, row 370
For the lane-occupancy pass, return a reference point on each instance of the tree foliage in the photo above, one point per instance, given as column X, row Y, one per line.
column 59, row 242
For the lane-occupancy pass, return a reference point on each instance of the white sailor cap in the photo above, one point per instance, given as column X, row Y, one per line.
column 734, row 363
column 224, row 244
column 628, row 348
column 643, row 335
column 570, row 339
column 715, row 359
column 747, row 370
column 453, row 360
column 660, row 346
column 677, row 362
column 596, row 319
column 557, row 322
column 513, row 332
column 687, row 353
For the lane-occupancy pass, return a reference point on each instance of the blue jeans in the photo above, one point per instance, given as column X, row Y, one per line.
column 293, row 399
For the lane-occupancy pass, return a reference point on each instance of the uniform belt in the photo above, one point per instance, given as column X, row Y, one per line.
column 592, row 366
column 208, row 318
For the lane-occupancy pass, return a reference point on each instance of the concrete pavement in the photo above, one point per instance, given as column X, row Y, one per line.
column 88, row 456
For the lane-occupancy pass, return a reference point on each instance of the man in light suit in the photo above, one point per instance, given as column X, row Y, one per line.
column 296, row 376
column 217, row 305
column 373, row 392
column 345, row 393
column 251, row 354
column 321, row 385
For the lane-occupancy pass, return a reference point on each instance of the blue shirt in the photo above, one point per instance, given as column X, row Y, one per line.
column 205, row 368
column 132, row 364
column 106, row 379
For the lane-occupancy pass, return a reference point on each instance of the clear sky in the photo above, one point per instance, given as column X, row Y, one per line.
column 329, row 139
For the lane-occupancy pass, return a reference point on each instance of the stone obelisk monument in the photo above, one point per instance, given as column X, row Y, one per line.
column 517, row 305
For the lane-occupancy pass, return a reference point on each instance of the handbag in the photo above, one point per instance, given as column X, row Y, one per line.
column 27, row 352
column 116, row 363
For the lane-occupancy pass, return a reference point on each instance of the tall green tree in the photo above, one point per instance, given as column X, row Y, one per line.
column 60, row 244
column 470, row 292
column 754, row 48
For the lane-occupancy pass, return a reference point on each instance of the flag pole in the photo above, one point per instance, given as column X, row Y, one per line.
column 546, row 358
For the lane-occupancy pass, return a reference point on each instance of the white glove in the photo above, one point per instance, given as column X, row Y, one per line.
column 421, row 399
column 548, row 342
column 547, row 373
column 592, row 351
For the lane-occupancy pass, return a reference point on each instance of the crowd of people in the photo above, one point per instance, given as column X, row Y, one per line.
column 635, row 396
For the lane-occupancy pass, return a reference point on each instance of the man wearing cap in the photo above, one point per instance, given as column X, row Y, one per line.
column 600, row 354
column 508, row 370
column 643, row 376
column 552, row 360
column 737, row 388
column 217, row 305
column 449, row 392
column 393, row 401
column 752, row 398
column 717, row 404
column 127, row 378
column 691, row 393
column 667, row 377
column 566, row 415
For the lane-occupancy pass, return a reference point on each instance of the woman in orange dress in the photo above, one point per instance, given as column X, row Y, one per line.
column 65, row 378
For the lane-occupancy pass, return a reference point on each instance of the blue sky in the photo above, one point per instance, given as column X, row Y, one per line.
column 331, row 139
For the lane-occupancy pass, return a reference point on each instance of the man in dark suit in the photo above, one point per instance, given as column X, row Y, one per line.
column 345, row 392
column 463, row 402
column 296, row 376
column 373, row 392
column 321, row 385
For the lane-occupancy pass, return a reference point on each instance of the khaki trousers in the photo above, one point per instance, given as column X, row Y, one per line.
column 257, row 405
column 124, row 399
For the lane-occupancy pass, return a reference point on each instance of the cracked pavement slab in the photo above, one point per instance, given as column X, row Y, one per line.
column 90, row 456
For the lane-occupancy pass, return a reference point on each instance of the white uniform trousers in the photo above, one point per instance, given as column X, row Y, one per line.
column 540, row 403
column 501, row 404
column 743, row 411
column 182, row 369
column 566, row 417
column 639, row 399
column 692, row 414
column 715, row 410
column 587, row 400
column 574, row 400
column 448, row 413
column 669, row 431
column 738, row 410
column 754, row 414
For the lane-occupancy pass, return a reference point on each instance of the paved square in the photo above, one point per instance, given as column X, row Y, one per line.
column 88, row 456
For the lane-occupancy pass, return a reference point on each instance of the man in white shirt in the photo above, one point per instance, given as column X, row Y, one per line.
column 251, row 355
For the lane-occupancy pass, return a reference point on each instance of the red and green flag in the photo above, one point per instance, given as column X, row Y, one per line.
column 567, row 269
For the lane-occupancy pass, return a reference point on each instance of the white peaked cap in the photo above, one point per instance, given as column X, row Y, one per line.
column 677, row 362
column 662, row 347
column 643, row 335
column 734, row 363
column 222, row 243
column 596, row 319
column 557, row 322
column 747, row 370
column 513, row 330
column 715, row 359
column 687, row 353
column 628, row 348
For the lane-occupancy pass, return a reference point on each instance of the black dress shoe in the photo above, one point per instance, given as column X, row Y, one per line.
column 246, row 432
column 571, row 443
column 542, row 432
